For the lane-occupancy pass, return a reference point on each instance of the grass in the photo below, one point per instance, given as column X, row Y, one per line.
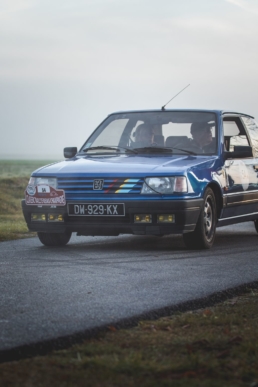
column 14, row 177
column 210, row 347
column 20, row 168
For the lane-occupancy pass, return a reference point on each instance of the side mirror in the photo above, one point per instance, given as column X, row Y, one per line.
column 239, row 152
column 70, row 152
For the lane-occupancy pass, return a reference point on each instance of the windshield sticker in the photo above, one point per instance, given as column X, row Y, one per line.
column 44, row 195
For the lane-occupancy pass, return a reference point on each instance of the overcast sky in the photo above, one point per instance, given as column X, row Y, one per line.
column 66, row 64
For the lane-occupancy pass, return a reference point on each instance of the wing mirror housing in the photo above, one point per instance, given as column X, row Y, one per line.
column 70, row 152
column 239, row 152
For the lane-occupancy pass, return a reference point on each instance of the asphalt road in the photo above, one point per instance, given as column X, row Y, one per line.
column 47, row 293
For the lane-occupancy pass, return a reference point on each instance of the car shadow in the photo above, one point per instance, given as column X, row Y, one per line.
column 123, row 249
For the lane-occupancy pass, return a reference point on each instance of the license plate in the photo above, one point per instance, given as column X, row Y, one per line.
column 92, row 209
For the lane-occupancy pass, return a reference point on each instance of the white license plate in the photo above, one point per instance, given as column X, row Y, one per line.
column 93, row 209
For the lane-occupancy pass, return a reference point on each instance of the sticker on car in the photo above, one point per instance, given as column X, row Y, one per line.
column 44, row 195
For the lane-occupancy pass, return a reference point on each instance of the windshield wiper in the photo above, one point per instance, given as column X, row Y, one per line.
column 154, row 149
column 112, row 147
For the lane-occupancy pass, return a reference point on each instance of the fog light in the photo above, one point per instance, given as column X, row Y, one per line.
column 38, row 217
column 166, row 218
column 55, row 218
column 142, row 218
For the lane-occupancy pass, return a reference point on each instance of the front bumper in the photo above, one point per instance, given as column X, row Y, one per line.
column 186, row 215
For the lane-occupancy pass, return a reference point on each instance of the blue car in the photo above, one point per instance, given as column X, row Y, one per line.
column 154, row 172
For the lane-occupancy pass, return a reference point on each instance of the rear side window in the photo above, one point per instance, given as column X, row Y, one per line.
column 234, row 134
column 252, row 129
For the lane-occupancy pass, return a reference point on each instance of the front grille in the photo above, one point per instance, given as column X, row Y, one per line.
column 77, row 187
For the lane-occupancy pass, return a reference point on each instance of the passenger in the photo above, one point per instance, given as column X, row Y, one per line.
column 144, row 135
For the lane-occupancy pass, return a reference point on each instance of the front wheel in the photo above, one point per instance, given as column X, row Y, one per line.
column 204, row 234
column 54, row 239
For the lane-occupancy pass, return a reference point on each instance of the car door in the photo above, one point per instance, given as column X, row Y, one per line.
column 241, row 191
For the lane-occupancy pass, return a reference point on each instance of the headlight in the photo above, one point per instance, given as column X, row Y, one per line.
column 164, row 185
column 43, row 180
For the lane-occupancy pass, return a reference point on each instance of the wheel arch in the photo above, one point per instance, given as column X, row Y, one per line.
column 218, row 196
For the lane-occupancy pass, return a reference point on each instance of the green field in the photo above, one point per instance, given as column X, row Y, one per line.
column 14, row 177
column 20, row 168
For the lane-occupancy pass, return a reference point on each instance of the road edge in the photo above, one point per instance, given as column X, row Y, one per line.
column 44, row 347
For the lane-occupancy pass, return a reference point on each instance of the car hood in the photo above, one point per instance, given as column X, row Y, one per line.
column 124, row 164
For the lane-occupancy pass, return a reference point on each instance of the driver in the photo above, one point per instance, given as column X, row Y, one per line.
column 201, row 137
column 144, row 135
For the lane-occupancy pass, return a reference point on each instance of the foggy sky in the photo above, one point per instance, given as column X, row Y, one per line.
column 66, row 64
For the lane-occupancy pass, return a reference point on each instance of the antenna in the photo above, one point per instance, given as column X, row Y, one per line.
column 163, row 107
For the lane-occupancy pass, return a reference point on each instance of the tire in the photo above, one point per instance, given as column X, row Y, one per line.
column 205, row 231
column 54, row 239
column 256, row 225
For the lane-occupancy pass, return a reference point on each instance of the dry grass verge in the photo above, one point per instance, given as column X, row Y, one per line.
column 210, row 347
column 14, row 177
column 12, row 223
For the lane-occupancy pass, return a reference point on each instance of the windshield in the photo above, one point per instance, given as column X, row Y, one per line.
column 177, row 132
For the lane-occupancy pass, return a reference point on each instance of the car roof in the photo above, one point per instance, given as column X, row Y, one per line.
column 216, row 111
column 224, row 112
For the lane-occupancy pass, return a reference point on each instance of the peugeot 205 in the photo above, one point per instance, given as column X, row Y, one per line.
column 155, row 172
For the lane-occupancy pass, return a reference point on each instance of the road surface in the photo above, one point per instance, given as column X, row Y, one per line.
column 46, row 293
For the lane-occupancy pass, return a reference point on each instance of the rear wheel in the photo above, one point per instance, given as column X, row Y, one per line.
column 54, row 239
column 204, row 234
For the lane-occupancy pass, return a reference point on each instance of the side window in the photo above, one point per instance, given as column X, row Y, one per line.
column 234, row 134
column 252, row 129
